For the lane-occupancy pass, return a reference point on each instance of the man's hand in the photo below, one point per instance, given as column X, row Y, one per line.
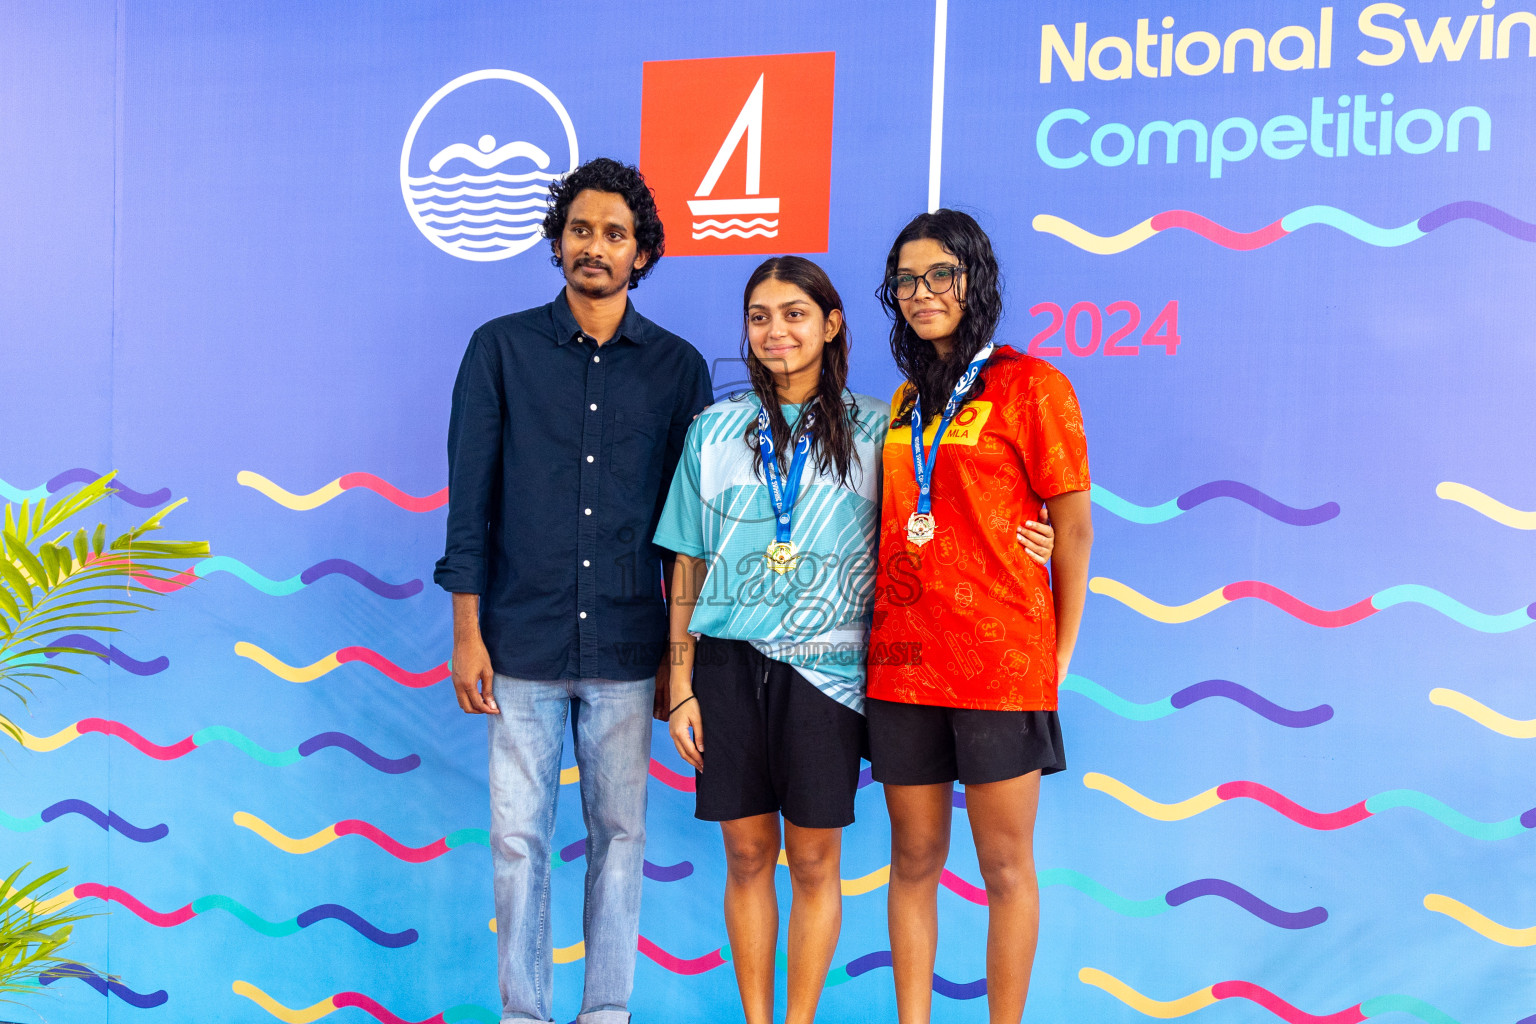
column 474, row 680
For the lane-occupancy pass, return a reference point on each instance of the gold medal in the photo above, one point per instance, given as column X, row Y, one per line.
column 920, row 528
column 781, row 557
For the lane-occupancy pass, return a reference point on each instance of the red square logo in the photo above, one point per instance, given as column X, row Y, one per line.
column 739, row 152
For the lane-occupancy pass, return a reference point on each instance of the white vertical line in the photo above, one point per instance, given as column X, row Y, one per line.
column 936, row 126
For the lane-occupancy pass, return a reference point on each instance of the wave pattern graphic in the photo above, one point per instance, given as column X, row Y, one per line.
column 510, row 207
column 735, row 227
column 1259, row 996
column 1320, row 821
column 371, row 832
column 334, row 660
column 106, row 986
column 1483, row 715
column 342, row 1000
column 1484, row 926
column 1482, row 504
column 281, row 588
column 346, row 482
column 248, row 917
column 1408, row 593
column 655, row 872
column 110, row 654
column 102, row 819
column 1180, row 895
column 222, row 734
column 658, row 771
column 56, row 483
column 1148, row 515
column 1328, row 216
column 1210, row 688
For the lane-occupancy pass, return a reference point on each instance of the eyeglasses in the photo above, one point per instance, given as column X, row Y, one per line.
column 937, row 280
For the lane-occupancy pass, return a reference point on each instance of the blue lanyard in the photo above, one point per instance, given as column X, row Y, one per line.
column 782, row 492
column 923, row 466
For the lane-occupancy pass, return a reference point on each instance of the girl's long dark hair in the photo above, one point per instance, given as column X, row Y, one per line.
column 933, row 378
column 832, row 441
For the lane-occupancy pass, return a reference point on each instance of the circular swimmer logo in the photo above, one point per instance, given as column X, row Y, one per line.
column 471, row 194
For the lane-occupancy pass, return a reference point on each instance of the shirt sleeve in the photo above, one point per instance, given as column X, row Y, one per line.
column 681, row 526
column 1054, row 445
column 474, row 468
column 694, row 395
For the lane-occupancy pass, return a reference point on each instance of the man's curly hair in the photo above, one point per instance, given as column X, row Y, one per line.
column 607, row 175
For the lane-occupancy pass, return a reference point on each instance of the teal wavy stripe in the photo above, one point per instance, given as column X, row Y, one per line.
column 1406, row 1004
column 238, row 740
column 1108, row 897
column 469, row 1011
column 1146, row 516
column 836, row 976
column 1448, row 816
column 20, row 824
column 1413, row 593
column 1111, row 701
column 470, row 835
column 1348, row 223
column 248, row 917
column 237, row 568
column 17, row 495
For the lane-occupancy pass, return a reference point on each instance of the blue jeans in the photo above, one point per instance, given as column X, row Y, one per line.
column 612, row 726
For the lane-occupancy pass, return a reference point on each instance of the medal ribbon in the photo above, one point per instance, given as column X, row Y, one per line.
column 782, row 492
column 922, row 466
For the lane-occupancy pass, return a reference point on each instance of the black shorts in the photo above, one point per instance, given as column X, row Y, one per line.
column 772, row 741
column 922, row 745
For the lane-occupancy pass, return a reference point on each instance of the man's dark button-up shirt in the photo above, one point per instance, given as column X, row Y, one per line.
column 560, row 454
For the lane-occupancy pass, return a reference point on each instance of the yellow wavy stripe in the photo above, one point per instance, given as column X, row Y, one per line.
column 570, row 775
column 1142, row 1004
column 297, row 502
column 292, row 673
column 1483, row 715
column 570, row 954
column 47, row 743
column 278, row 1010
column 1151, row 808
column 853, row 886
column 1151, row 609
column 491, row 924
column 1487, row 928
column 1479, row 502
column 309, row 844
column 1097, row 244
column 47, row 906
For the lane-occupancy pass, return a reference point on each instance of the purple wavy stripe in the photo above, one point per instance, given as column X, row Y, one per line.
column 1253, row 702
column 655, row 872
column 350, row 918
column 1527, row 1020
column 111, row 654
column 393, row 591
column 1490, row 215
column 1248, row 901
column 1528, row 819
column 106, row 820
column 959, row 798
column 392, row 766
column 1259, row 500
column 866, row 777
column 143, row 1001
column 943, row 986
column 136, row 498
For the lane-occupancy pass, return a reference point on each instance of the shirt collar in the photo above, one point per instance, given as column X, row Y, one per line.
column 633, row 328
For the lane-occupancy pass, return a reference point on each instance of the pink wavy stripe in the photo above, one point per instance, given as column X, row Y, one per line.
column 139, row 743
column 1215, row 232
column 1279, row 1007
column 960, row 887
column 667, row 777
column 410, row 854
column 362, row 1002
column 1297, row 813
column 698, row 965
column 390, row 492
column 113, row 894
column 416, row 680
column 1298, row 609
column 163, row 585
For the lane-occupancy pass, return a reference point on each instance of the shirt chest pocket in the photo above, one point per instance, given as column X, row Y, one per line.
column 637, row 446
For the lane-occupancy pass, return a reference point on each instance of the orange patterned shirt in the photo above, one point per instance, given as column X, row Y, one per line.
column 967, row 621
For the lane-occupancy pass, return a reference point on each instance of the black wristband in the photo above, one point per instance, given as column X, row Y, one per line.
column 679, row 704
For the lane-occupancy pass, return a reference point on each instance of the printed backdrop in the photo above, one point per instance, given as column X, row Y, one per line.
column 244, row 246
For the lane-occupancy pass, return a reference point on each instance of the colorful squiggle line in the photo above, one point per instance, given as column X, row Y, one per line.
column 1483, row 715
column 109, row 654
column 1484, row 926
column 103, row 819
column 370, row 832
column 138, row 499
column 341, row 1000
column 658, row 771
column 281, row 588
column 655, row 872
column 1211, row 994
column 106, row 986
column 1331, row 216
column 1407, row 593
column 223, row 734
column 1182, row 894
column 1320, row 821
column 314, row 499
column 1481, row 503
column 1113, row 702
column 203, row 904
column 334, row 660
column 1147, row 515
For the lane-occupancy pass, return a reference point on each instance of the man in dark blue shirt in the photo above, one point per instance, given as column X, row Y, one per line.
column 568, row 421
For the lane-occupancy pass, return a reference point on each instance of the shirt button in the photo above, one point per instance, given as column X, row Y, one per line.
column 587, row 511
column 597, row 359
column 589, row 458
column 583, row 614
column 586, row 563
column 593, row 407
